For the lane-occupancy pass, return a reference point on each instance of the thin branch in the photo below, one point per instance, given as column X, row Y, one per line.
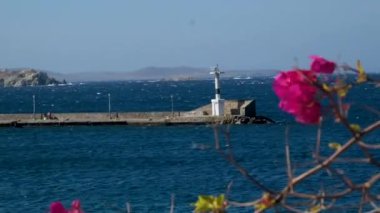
column 366, row 185
column 290, row 208
column 348, row 67
column 318, row 142
column 306, row 203
column 129, row 208
column 371, row 109
column 216, row 138
column 372, row 160
column 288, row 161
column 369, row 146
column 231, row 159
column 336, row 108
column 341, row 175
column 374, row 197
column 374, row 211
column 322, row 200
column 347, row 160
column 304, row 175
column 243, row 204
column 373, row 204
column 344, row 178
column 372, row 181
column 337, row 153
column 228, row 190
column 329, row 160
column 227, row 136
column 330, row 205
column 172, row 203
column 362, row 201
column 318, row 196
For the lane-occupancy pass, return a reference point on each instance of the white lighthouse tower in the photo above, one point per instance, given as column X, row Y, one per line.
column 217, row 103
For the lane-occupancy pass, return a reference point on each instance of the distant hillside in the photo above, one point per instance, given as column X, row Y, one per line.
column 25, row 77
column 162, row 73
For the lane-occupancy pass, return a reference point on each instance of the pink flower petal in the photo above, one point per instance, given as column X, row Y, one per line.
column 57, row 207
column 75, row 207
column 309, row 114
column 321, row 65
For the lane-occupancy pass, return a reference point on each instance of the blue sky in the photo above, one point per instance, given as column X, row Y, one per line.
column 122, row 35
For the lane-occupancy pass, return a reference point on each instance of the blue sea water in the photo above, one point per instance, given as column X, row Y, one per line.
column 107, row 166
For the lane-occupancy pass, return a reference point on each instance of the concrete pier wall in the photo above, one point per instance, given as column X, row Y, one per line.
column 233, row 108
column 62, row 119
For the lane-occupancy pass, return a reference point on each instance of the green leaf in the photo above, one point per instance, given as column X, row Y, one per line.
column 355, row 127
column 326, row 87
column 335, row 146
column 209, row 203
column 265, row 202
column 362, row 76
column 342, row 88
column 315, row 209
column 219, row 202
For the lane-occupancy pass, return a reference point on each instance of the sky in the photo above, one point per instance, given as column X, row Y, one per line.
column 125, row 35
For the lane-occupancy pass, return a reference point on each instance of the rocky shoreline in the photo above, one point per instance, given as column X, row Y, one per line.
column 25, row 77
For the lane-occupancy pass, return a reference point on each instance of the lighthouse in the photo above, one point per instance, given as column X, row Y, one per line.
column 217, row 103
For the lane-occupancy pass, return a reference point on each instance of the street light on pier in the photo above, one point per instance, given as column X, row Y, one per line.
column 34, row 107
column 171, row 97
column 109, row 105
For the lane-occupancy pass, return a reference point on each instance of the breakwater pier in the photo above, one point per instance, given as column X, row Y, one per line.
column 235, row 112
column 92, row 119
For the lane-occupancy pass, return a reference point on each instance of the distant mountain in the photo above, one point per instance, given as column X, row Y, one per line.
column 162, row 73
column 25, row 77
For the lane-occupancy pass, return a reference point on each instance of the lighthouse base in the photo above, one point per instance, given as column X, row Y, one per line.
column 217, row 107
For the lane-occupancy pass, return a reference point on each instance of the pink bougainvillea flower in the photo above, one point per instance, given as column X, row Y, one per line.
column 296, row 91
column 75, row 207
column 295, row 86
column 57, row 207
column 309, row 114
column 299, row 81
column 321, row 65
column 303, row 112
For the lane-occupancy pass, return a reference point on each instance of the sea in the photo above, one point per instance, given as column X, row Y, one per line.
column 150, row 167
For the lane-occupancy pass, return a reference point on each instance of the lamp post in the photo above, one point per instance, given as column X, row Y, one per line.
column 109, row 105
column 34, row 107
column 171, row 97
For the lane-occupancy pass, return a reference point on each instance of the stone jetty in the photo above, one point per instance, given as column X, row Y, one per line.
column 235, row 112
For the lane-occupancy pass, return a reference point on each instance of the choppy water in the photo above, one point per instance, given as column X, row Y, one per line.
column 107, row 166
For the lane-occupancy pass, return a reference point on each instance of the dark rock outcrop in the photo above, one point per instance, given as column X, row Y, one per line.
column 25, row 77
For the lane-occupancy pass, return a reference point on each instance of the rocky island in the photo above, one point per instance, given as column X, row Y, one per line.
column 25, row 77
